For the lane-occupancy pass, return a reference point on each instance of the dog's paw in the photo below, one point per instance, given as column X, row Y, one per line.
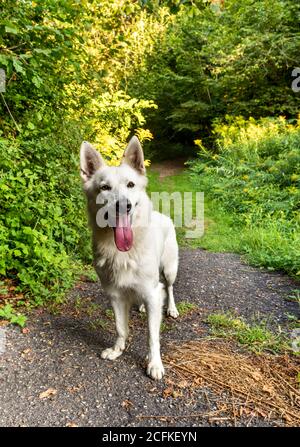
column 110, row 354
column 155, row 370
column 173, row 312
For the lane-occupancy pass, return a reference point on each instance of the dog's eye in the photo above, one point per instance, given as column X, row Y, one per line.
column 105, row 188
column 130, row 185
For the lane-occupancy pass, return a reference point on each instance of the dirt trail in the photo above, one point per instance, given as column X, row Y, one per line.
column 52, row 375
column 169, row 167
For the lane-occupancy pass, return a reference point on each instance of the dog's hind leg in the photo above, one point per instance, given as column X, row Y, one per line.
column 170, row 266
column 121, row 311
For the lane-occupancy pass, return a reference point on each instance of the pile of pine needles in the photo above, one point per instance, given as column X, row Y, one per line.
column 261, row 385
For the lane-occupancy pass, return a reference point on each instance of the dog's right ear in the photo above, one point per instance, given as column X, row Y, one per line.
column 90, row 161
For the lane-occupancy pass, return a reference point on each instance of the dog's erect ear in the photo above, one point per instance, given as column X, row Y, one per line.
column 133, row 155
column 90, row 161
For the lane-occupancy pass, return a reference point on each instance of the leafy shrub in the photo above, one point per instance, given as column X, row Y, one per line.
column 62, row 62
column 8, row 313
column 109, row 121
column 255, row 174
column 42, row 216
column 43, row 224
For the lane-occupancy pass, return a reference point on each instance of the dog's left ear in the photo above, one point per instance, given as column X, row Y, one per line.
column 133, row 155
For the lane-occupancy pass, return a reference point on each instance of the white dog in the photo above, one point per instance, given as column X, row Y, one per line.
column 133, row 248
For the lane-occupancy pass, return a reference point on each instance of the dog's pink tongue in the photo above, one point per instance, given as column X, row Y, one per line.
column 123, row 233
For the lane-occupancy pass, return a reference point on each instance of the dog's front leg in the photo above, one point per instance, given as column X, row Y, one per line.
column 121, row 311
column 155, row 367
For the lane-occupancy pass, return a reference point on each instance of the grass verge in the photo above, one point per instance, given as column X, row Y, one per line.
column 256, row 337
column 262, row 245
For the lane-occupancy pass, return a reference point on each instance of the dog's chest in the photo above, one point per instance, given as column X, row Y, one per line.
column 120, row 270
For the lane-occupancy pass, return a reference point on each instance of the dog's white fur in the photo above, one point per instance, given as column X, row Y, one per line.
column 132, row 276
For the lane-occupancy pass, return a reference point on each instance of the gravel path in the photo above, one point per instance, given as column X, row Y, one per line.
column 52, row 375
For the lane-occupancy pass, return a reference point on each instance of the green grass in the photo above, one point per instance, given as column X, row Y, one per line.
column 257, row 337
column 295, row 296
column 93, row 308
column 110, row 314
column 252, row 179
column 170, row 184
column 99, row 323
column 267, row 243
column 175, row 183
column 219, row 231
column 185, row 308
column 165, row 327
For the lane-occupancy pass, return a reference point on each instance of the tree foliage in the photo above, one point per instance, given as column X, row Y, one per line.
column 222, row 58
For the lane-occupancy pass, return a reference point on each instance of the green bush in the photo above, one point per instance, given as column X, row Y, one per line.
column 62, row 62
column 255, row 175
column 42, row 221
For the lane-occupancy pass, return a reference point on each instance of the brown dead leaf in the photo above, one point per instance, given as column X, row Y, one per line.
column 74, row 389
column 26, row 352
column 71, row 424
column 127, row 404
column 167, row 392
column 48, row 393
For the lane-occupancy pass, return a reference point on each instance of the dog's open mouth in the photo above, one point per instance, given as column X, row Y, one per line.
column 123, row 232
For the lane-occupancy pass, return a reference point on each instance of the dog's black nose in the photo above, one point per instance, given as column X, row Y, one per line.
column 123, row 206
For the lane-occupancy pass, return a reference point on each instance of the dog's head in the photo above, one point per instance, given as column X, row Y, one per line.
column 118, row 190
